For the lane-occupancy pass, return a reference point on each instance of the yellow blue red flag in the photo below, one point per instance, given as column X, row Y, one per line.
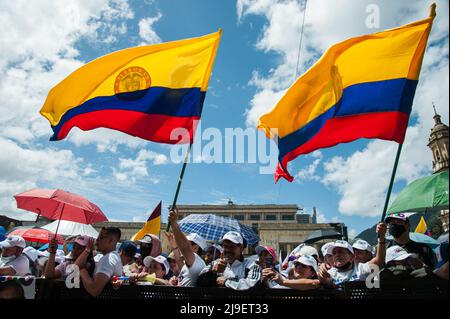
column 145, row 91
column 360, row 88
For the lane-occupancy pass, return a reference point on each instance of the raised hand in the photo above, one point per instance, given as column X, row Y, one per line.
column 220, row 265
column 171, row 239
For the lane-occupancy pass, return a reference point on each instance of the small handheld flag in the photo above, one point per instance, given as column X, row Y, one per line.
column 152, row 226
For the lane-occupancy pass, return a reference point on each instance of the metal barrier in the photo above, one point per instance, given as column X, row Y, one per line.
column 411, row 289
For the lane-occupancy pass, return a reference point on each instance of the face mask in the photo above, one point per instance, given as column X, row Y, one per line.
column 396, row 230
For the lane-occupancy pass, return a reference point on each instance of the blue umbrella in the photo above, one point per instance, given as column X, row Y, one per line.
column 213, row 227
column 2, row 233
column 45, row 247
column 421, row 238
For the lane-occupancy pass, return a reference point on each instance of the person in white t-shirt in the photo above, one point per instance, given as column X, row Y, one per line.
column 108, row 266
column 345, row 269
column 12, row 261
column 191, row 247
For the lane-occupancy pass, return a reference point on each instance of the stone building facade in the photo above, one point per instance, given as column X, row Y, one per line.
column 439, row 144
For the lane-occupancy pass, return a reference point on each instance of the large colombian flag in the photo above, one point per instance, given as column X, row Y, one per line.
column 145, row 91
column 360, row 88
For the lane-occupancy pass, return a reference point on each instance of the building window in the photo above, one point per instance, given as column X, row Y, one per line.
column 255, row 228
column 226, row 216
column 287, row 217
column 239, row 217
column 271, row 217
column 255, row 217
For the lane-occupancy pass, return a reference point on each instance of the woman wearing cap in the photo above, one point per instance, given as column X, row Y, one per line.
column 150, row 245
column 305, row 268
column 154, row 265
column 80, row 250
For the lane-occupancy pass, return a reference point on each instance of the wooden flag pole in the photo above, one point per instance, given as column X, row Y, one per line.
column 180, row 180
column 391, row 183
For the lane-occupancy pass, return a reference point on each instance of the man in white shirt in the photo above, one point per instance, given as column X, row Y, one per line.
column 12, row 261
column 345, row 269
column 232, row 270
column 108, row 266
column 190, row 247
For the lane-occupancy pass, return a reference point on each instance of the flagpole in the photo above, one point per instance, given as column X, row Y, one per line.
column 180, row 180
column 391, row 183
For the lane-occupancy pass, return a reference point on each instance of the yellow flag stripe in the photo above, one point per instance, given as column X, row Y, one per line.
column 387, row 55
column 178, row 64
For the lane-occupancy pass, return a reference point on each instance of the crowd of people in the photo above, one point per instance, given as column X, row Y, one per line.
column 193, row 262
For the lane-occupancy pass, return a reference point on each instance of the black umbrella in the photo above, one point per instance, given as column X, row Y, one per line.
column 322, row 234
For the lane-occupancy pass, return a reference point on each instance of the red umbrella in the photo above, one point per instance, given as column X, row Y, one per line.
column 57, row 204
column 36, row 235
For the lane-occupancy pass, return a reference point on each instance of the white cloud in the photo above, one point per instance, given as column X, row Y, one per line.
column 132, row 169
column 24, row 168
column 309, row 173
column 362, row 177
column 146, row 31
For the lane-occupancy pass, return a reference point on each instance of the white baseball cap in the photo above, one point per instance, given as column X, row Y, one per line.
column 13, row 241
column 397, row 253
column 234, row 237
column 327, row 249
column 159, row 259
column 199, row 240
column 308, row 260
column 308, row 251
column 362, row 245
column 147, row 239
column 343, row 244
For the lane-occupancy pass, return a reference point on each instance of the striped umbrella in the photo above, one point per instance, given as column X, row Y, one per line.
column 213, row 227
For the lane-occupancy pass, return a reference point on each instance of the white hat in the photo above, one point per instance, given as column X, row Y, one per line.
column 32, row 253
column 362, row 245
column 308, row 260
column 159, row 259
column 327, row 249
column 397, row 253
column 199, row 240
column 308, row 251
column 343, row 244
column 234, row 237
column 13, row 241
column 147, row 239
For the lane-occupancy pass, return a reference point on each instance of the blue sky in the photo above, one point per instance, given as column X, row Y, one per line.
column 254, row 66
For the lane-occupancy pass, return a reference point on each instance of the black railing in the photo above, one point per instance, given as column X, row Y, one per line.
column 411, row 289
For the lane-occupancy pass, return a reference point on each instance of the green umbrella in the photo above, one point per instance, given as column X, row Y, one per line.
column 425, row 194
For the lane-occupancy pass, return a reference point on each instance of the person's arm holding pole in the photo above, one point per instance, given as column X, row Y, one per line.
column 182, row 242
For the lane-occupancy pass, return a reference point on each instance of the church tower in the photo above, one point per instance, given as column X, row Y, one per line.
column 438, row 143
